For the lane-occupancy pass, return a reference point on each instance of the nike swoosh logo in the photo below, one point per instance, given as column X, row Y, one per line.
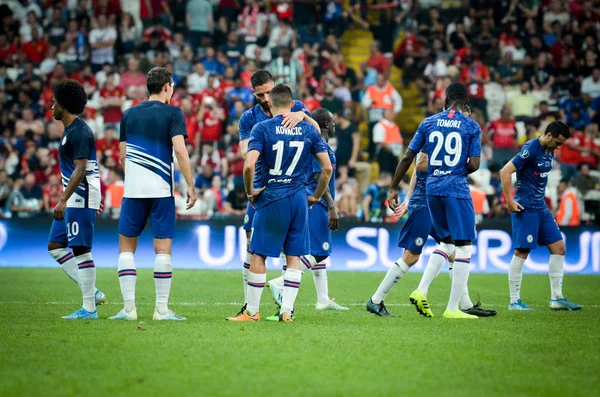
column 540, row 164
column 72, row 238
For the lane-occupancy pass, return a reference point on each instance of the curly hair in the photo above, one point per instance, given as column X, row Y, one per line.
column 70, row 95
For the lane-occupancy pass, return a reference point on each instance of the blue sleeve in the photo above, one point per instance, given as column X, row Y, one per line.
column 475, row 146
column 371, row 191
column 317, row 143
column 198, row 182
column 300, row 106
column 245, row 125
column 178, row 124
column 418, row 141
column 521, row 159
column 81, row 145
column 256, row 139
column 316, row 167
column 123, row 129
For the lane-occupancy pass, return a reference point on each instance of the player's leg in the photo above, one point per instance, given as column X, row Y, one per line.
column 266, row 239
column 162, row 217
column 466, row 304
column 525, row 228
column 460, row 219
column 295, row 245
column 80, row 233
column 134, row 213
column 550, row 236
column 248, row 220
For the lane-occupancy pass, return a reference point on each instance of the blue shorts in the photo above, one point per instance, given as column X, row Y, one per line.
column 416, row 230
column 452, row 217
column 318, row 229
column 135, row 213
column 249, row 218
column 282, row 225
column 76, row 230
column 532, row 229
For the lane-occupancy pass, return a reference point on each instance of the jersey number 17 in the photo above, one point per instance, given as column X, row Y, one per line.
column 279, row 147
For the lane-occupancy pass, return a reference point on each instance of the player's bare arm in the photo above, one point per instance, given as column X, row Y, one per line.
column 183, row 159
column 249, row 168
column 326, row 172
column 74, row 181
column 473, row 164
column 334, row 218
column 506, row 179
column 122, row 154
column 401, row 170
column 244, row 148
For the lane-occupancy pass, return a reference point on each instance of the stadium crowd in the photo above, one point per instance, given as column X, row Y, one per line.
column 526, row 63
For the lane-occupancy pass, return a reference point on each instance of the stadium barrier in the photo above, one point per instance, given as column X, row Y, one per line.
column 220, row 244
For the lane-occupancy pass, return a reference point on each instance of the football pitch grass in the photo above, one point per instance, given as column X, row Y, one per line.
column 539, row 353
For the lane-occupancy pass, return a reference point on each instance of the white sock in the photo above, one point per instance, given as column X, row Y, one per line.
column 515, row 276
column 433, row 268
column 460, row 275
column 67, row 262
column 163, row 274
column 555, row 271
column 283, row 261
column 256, row 284
column 465, row 299
column 308, row 261
column 87, row 280
column 245, row 272
column 393, row 275
column 291, row 285
column 127, row 279
column 319, row 272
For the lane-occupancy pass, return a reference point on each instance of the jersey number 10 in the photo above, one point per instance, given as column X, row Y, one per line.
column 279, row 147
column 452, row 144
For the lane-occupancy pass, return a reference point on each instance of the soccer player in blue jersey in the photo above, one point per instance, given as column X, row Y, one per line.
column 412, row 238
column 532, row 221
column 75, row 213
column 322, row 220
column 150, row 133
column 279, row 195
column 453, row 142
column 262, row 84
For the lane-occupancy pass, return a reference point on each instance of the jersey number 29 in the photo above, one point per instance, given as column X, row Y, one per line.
column 452, row 144
column 279, row 147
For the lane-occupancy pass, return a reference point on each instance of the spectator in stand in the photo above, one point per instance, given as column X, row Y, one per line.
column 102, row 41
column 200, row 22
column 5, row 190
column 282, row 36
column 204, row 179
column 409, row 56
column 377, row 99
column 211, row 63
column 233, row 49
column 211, row 156
column 585, row 182
column 502, row 133
column 108, row 146
column 132, row 77
column 508, row 73
column 51, row 193
column 236, row 202
column 590, row 86
column 114, row 194
column 309, row 100
column 211, row 117
column 198, row 80
column 570, row 156
column 569, row 210
column 330, row 101
column 390, row 145
column 347, row 146
column 572, row 102
column 541, row 75
column 239, row 92
column 86, row 78
column 475, row 76
column 112, row 98
column 107, row 70
column 191, row 122
column 130, row 33
column 377, row 60
column 286, row 70
column 8, row 51
column 29, row 200
column 374, row 207
column 28, row 123
column 26, row 30
column 252, row 22
column 35, row 50
column 480, row 202
column 183, row 63
column 56, row 26
column 578, row 119
column 524, row 104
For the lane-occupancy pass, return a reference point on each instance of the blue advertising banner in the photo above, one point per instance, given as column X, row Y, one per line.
column 220, row 244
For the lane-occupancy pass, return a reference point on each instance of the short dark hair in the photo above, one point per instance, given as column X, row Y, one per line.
column 70, row 95
column 557, row 128
column 157, row 78
column 260, row 77
column 281, row 95
column 321, row 116
column 456, row 92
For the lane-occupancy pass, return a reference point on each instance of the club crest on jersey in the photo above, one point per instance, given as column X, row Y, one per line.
column 419, row 241
column 530, row 238
column 64, row 140
column 325, row 246
column 246, row 219
column 524, row 154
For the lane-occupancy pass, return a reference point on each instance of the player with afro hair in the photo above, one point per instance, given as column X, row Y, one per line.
column 70, row 97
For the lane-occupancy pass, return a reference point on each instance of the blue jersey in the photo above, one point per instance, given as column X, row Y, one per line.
column 148, row 129
column 78, row 143
column 451, row 138
column 533, row 165
column 284, row 153
column 256, row 114
column 311, row 182
column 418, row 199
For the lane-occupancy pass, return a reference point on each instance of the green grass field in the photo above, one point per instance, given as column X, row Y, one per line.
column 541, row 353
